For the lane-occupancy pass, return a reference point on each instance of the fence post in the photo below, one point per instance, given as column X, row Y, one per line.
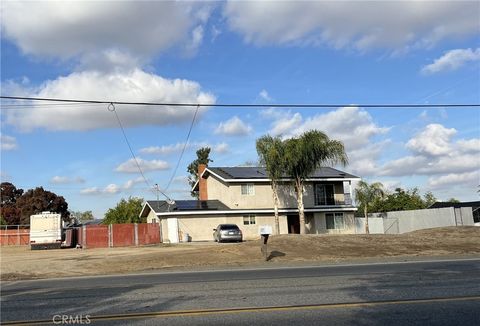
column 18, row 235
column 135, row 233
column 84, row 237
column 110, row 236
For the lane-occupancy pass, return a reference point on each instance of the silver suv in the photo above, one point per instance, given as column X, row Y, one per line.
column 227, row 232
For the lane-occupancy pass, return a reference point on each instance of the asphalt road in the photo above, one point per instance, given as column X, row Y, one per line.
column 409, row 293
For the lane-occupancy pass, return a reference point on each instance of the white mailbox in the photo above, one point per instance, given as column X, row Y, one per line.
column 265, row 229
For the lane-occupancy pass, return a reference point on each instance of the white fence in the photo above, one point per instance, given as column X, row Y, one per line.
column 407, row 221
column 375, row 225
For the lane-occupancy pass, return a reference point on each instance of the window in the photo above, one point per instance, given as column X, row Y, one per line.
column 324, row 194
column 248, row 190
column 335, row 221
column 249, row 219
column 228, row 227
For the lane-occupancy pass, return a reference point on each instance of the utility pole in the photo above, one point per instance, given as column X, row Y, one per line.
column 157, row 189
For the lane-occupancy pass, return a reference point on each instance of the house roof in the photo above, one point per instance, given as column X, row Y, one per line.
column 162, row 206
column 259, row 174
column 253, row 172
column 439, row 204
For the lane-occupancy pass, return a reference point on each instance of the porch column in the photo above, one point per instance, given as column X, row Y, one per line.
column 350, row 190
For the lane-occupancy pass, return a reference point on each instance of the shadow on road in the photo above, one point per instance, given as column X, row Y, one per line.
column 422, row 283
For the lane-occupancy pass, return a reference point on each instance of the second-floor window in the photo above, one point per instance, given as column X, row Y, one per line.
column 324, row 194
column 248, row 190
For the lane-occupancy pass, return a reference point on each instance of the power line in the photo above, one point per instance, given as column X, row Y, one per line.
column 183, row 149
column 241, row 105
column 111, row 108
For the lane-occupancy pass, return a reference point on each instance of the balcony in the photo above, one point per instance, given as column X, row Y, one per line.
column 335, row 200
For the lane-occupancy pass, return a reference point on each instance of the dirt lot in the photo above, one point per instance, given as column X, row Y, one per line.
column 22, row 263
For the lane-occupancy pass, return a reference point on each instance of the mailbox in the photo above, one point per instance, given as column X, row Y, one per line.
column 265, row 230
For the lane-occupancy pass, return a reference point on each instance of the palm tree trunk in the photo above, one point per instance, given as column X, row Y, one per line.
column 301, row 212
column 275, row 207
column 367, row 230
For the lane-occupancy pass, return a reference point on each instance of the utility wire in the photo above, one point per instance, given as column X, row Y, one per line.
column 183, row 149
column 111, row 108
column 240, row 105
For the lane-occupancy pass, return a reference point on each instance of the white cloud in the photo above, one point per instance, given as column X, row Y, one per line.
column 233, row 127
column 90, row 191
column 163, row 150
column 455, row 179
column 397, row 25
column 8, row 143
column 133, row 86
column 66, row 180
column 469, row 146
column 181, row 179
column 221, row 148
column 265, row 96
column 452, row 60
column 130, row 183
column 196, row 40
column 435, row 153
column 351, row 125
column 111, row 189
column 434, row 140
column 215, row 32
column 73, row 28
column 286, row 124
column 130, row 166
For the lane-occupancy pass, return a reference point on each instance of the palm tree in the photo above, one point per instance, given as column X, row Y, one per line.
column 270, row 151
column 366, row 194
column 303, row 155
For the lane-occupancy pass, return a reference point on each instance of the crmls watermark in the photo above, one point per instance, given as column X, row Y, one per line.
column 71, row 319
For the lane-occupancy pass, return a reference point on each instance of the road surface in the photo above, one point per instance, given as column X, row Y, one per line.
column 416, row 293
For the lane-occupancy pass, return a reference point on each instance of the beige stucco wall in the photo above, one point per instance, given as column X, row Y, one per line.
column 164, row 230
column 200, row 228
column 231, row 195
column 318, row 224
column 152, row 217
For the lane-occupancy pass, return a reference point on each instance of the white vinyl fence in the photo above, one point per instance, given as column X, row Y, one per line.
column 407, row 221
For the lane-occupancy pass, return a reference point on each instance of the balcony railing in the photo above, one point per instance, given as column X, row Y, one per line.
column 347, row 200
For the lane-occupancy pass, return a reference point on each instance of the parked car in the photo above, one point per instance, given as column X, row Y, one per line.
column 227, row 232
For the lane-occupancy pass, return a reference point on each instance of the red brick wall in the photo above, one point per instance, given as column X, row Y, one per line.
column 202, row 183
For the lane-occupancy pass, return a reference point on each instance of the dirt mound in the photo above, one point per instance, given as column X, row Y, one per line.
column 21, row 263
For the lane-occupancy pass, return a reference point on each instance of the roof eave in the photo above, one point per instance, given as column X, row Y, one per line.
column 257, row 211
column 143, row 208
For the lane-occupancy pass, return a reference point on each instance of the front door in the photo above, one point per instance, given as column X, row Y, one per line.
column 293, row 222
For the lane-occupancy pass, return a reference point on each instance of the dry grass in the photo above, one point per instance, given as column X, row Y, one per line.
column 22, row 263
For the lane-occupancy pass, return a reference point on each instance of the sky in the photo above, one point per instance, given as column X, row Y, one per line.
column 260, row 52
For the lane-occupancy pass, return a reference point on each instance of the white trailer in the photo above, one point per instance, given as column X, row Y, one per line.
column 46, row 231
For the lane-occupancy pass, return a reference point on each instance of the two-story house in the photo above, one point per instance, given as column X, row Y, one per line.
column 243, row 196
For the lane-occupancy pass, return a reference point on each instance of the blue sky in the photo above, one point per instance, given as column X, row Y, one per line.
column 226, row 52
